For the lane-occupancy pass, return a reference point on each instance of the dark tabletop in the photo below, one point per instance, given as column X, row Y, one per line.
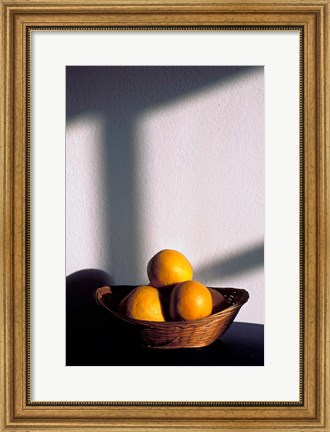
column 95, row 338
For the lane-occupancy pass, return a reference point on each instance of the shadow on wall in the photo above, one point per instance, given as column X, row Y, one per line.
column 119, row 95
column 239, row 263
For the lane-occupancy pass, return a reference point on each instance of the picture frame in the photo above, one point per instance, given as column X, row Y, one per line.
column 17, row 411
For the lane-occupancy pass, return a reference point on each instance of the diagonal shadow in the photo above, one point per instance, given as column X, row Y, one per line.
column 239, row 263
column 119, row 95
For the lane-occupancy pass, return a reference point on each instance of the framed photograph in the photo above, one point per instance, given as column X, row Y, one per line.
column 165, row 190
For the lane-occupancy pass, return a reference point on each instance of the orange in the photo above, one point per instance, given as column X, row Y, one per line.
column 143, row 303
column 190, row 300
column 168, row 267
column 219, row 303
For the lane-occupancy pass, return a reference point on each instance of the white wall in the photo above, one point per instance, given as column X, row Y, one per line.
column 161, row 157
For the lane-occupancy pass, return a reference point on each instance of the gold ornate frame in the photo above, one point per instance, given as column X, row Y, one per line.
column 17, row 412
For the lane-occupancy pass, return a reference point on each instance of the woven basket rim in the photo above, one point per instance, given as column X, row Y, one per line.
column 100, row 292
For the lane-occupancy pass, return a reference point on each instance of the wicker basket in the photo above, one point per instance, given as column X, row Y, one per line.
column 175, row 334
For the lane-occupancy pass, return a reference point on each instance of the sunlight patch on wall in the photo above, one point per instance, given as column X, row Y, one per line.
column 85, row 207
column 201, row 171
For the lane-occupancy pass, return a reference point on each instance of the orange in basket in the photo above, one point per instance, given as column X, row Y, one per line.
column 143, row 303
column 168, row 267
column 190, row 300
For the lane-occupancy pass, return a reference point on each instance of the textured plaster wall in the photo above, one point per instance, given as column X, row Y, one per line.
column 167, row 157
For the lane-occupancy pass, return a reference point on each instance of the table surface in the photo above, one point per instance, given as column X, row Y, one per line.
column 95, row 338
